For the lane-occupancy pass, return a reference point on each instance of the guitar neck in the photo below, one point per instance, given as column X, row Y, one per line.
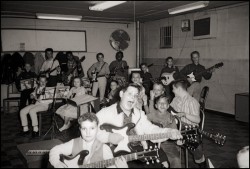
column 148, row 137
column 209, row 135
column 110, row 162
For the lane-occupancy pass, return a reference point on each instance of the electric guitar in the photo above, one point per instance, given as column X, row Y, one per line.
column 77, row 160
column 192, row 76
column 67, row 77
column 48, row 71
column 167, row 78
column 124, row 145
column 117, row 69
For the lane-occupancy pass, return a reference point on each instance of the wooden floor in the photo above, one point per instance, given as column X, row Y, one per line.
column 221, row 156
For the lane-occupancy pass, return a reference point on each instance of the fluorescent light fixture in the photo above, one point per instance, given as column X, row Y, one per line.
column 105, row 5
column 59, row 17
column 188, row 7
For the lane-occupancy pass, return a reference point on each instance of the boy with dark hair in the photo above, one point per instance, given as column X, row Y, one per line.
column 165, row 119
column 88, row 125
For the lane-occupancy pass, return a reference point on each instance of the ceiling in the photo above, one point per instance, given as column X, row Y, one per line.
column 128, row 12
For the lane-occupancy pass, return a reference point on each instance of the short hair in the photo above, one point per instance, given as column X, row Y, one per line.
column 49, row 50
column 77, row 77
column 99, row 54
column 69, row 52
column 194, row 52
column 156, row 100
column 143, row 64
column 170, row 57
column 42, row 76
column 114, row 81
column 180, row 83
column 159, row 83
column 131, row 85
column 139, row 72
column 88, row 116
column 242, row 157
column 117, row 53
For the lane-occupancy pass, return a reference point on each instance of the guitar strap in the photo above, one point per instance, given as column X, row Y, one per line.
column 102, row 67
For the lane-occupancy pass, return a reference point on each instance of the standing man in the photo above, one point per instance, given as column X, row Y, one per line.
column 119, row 67
column 146, row 78
column 50, row 68
column 25, row 94
column 123, row 112
column 73, row 63
column 189, row 112
column 196, row 68
column 99, row 71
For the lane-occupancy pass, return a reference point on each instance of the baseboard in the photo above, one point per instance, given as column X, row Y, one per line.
column 220, row 113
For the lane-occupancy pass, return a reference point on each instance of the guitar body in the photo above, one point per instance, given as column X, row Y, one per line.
column 124, row 144
column 74, row 161
column 168, row 78
column 192, row 77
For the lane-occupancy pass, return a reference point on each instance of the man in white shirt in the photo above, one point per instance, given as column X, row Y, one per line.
column 53, row 67
column 118, row 113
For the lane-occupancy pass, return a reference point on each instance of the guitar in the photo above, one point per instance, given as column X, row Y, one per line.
column 124, row 145
column 47, row 72
column 194, row 141
column 117, row 69
column 77, row 160
column 167, row 78
column 192, row 76
column 95, row 76
column 67, row 77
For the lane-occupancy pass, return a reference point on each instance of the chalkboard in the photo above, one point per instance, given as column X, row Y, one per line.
column 40, row 39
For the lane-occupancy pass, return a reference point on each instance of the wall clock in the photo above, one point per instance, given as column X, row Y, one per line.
column 119, row 40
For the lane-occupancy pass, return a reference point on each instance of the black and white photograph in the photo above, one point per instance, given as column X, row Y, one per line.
column 124, row 84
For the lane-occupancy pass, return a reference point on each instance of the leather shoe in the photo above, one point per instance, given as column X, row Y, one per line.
column 24, row 133
column 35, row 134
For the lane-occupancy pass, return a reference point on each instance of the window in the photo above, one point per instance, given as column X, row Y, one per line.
column 166, row 38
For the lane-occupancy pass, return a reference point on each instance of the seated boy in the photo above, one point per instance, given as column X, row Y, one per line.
column 243, row 157
column 142, row 98
column 166, row 120
column 88, row 124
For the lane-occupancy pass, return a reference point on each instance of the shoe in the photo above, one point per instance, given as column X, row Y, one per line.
column 24, row 133
column 65, row 127
column 35, row 134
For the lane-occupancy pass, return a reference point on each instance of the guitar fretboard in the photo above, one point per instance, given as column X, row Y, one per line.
column 110, row 162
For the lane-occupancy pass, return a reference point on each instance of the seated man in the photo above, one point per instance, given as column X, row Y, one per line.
column 124, row 112
column 87, row 141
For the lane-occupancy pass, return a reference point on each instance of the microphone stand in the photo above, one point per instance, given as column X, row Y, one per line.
column 53, row 125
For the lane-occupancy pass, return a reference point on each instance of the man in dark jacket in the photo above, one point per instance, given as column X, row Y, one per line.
column 21, row 75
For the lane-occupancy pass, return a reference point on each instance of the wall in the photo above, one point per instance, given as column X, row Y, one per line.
column 98, row 35
column 231, row 46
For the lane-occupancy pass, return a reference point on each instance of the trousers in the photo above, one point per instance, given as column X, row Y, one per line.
column 32, row 111
column 101, row 85
column 194, row 90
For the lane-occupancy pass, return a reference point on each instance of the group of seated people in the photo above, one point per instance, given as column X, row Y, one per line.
column 134, row 102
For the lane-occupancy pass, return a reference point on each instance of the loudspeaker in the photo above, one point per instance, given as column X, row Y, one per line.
column 242, row 107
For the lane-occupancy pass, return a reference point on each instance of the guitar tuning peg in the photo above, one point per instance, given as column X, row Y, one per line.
column 147, row 163
column 153, row 162
column 150, row 147
column 157, row 160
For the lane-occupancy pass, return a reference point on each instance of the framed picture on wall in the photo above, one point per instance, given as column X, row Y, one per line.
column 185, row 25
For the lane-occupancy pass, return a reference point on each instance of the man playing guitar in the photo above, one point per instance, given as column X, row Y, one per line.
column 119, row 68
column 98, row 72
column 73, row 63
column 170, row 70
column 50, row 68
column 195, row 68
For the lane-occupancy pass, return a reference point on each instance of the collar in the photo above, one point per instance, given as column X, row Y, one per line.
column 119, row 109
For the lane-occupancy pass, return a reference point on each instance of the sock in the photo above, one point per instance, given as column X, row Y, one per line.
column 35, row 128
column 25, row 128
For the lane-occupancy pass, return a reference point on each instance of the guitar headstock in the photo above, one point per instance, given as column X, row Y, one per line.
column 219, row 65
column 219, row 139
column 149, row 155
column 82, row 59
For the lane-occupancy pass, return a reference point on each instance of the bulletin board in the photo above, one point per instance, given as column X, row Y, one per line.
column 33, row 40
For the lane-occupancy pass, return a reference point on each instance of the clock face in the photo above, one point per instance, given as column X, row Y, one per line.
column 119, row 40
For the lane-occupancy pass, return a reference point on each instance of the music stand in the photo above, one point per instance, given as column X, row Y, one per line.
column 80, row 100
column 52, row 109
